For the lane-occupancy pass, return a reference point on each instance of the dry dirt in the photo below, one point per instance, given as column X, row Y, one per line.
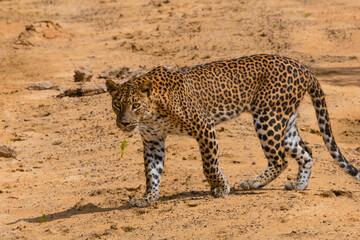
column 68, row 180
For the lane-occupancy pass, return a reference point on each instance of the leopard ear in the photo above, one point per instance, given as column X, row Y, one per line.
column 112, row 87
column 145, row 88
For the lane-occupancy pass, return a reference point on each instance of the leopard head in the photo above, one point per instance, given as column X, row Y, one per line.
column 130, row 101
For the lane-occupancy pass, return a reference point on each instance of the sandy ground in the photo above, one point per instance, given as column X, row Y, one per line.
column 69, row 181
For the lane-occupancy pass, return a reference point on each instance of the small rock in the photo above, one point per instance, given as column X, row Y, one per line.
column 41, row 114
column 83, row 74
column 84, row 205
column 222, row 129
column 111, row 72
column 51, row 231
column 7, row 152
column 284, row 208
column 314, row 131
column 57, row 142
column 193, row 204
column 291, row 195
column 122, row 73
column 127, row 229
column 83, row 91
column 43, row 86
column 131, row 189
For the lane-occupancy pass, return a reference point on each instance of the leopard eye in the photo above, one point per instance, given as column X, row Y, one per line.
column 135, row 106
column 117, row 105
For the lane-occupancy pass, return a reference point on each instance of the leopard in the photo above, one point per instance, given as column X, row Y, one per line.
column 193, row 100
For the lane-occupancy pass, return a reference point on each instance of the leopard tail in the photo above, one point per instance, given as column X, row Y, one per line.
column 322, row 115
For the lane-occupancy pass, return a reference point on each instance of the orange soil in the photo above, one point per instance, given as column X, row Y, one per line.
column 68, row 163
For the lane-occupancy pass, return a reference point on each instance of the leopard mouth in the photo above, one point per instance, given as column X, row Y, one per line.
column 128, row 128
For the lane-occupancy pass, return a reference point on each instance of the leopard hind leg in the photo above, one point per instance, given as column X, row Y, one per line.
column 271, row 134
column 297, row 149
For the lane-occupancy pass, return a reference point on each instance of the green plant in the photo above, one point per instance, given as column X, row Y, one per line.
column 307, row 15
column 124, row 144
column 43, row 218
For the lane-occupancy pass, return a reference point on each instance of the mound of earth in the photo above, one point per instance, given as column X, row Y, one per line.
column 38, row 33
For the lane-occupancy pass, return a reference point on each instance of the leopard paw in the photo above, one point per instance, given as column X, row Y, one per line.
column 290, row 185
column 142, row 201
column 220, row 191
column 250, row 184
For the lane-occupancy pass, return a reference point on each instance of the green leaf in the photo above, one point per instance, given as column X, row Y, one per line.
column 124, row 144
column 43, row 218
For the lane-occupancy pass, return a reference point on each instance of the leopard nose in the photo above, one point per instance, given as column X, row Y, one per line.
column 125, row 123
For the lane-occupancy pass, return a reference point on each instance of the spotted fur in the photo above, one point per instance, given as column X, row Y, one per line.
column 193, row 100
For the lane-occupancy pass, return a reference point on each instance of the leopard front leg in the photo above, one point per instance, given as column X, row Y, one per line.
column 219, row 186
column 154, row 156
